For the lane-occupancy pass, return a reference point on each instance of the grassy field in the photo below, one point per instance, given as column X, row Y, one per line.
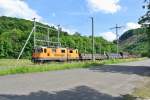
column 11, row 66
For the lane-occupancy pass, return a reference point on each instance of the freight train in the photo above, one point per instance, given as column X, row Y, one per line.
column 46, row 54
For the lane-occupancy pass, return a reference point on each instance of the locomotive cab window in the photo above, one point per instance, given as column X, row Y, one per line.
column 37, row 50
column 76, row 52
column 71, row 51
column 45, row 50
column 62, row 51
column 40, row 50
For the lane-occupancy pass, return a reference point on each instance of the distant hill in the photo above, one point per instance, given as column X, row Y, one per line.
column 14, row 32
column 134, row 41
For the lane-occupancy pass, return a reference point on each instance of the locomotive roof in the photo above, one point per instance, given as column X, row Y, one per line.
column 55, row 47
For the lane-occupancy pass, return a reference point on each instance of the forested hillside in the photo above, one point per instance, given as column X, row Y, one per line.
column 14, row 32
column 135, row 41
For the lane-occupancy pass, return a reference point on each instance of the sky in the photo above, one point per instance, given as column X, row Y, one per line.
column 75, row 15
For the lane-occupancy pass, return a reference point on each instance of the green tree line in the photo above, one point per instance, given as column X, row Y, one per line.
column 14, row 32
column 135, row 41
column 145, row 22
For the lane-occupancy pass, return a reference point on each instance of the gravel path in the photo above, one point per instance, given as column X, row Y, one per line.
column 107, row 82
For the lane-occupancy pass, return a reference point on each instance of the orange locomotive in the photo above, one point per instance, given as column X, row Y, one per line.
column 45, row 54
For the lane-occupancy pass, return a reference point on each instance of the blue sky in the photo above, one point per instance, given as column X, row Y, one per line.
column 74, row 15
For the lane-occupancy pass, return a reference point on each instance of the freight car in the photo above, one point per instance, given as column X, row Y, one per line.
column 45, row 54
column 104, row 56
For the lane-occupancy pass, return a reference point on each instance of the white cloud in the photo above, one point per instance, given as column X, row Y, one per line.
column 17, row 8
column 106, row 6
column 65, row 29
column 131, row 25
column 69, row 31
column 20, row 9
column 109, row 36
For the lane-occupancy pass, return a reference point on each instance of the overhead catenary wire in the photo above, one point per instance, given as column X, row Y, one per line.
column 50, row 28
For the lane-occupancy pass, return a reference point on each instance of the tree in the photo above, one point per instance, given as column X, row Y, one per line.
column 77, row 34
column 145, row 19
column 145, row 22
column 14, row 32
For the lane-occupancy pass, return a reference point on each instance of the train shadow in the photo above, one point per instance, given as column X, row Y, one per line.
column 138, row 70
column 78, row 93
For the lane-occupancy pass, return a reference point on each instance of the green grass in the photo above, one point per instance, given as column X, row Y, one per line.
column 10, row 66
column 143, row 92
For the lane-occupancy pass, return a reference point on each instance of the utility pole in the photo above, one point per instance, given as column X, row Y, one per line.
column 93, row 58
column 84, row 45
column 100, row 48
column 117, row 35
column 58, row 36
column 48, row 37
column 34, row 19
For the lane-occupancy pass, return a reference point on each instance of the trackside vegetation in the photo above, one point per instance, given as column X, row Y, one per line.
column 25, row 66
